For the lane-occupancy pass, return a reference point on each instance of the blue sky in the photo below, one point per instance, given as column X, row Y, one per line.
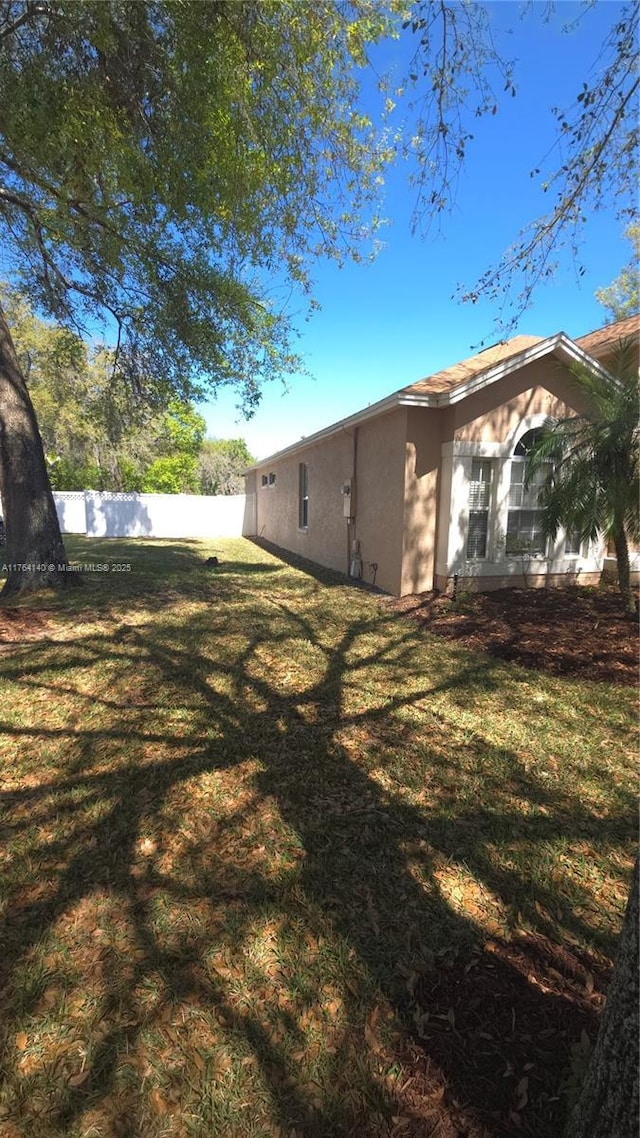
column 386, row 324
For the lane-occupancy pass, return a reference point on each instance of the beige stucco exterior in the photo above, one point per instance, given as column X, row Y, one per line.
column 369, row 458
column 406, row 464
column 493, row 414
column 426, row 431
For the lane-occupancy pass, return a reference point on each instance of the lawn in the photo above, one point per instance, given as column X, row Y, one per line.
column 278, row 860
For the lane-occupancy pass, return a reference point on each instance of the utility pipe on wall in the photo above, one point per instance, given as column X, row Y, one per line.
column 353, row 545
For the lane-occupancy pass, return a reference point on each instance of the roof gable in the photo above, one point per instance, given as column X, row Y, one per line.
column 455, row 383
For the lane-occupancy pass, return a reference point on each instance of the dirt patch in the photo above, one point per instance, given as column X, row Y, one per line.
column 578, row 632
column 22, row 624
column 502, row 1039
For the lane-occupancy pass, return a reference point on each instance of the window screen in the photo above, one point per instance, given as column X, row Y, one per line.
column 303, row 500
column 479, row 504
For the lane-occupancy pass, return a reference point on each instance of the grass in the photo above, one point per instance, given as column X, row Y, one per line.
column 246, row 812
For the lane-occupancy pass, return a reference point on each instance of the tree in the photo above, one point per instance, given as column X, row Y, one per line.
column 95, row 434
column 457, row 76
column 608, row 1104
column 82, row 412
column 174, row 166
column 593, row 487
column 174, row 471
column 622, row 298
column 221, row 465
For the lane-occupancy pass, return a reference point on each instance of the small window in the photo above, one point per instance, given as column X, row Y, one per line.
column 272, row 479
column 265, row 480
column 303, row 500
column 479, row 504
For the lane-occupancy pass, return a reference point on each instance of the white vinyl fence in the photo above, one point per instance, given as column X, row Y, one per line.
column 103, row 514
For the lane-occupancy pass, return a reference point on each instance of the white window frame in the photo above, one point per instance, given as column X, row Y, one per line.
column 568, row 540
column 303, row 496
column 453, row 514
column 529, row 501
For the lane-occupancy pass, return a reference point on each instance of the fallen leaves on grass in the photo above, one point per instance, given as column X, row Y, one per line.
column 241, row 821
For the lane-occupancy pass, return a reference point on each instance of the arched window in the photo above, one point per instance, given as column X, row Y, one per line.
column 525, row 533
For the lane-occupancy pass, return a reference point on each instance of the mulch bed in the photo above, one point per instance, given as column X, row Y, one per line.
column 22, row 624
column 501, row 1041
column 579, row 632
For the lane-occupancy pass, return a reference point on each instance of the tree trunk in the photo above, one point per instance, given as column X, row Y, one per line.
column 608, row 1104
column 622, row 558
column 34, row 553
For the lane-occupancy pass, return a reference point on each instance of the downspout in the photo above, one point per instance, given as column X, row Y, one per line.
column 352, row 526
column 354, row 475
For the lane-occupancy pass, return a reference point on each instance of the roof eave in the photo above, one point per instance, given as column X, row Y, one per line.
column 560, row 344
column 370, row 412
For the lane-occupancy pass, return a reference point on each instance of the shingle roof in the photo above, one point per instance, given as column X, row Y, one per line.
column 472, row 367
column 604, row 339
column 596, row 344
column 442, row 387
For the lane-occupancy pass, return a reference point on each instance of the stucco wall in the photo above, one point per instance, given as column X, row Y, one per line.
column 518, row 578
column 380, row 497
column 371, row 456
column 426, row 430
column 277, row 505
column 487, row 425
column 545, row 387
column 432, row 514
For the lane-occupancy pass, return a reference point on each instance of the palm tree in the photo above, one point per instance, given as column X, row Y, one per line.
column 593, row 486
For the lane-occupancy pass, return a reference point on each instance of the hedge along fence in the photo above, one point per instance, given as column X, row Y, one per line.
column 104, row 514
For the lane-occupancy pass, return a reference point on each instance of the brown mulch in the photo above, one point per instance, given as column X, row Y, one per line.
column 579, row 632
column 22, row 624
column 502, row 1037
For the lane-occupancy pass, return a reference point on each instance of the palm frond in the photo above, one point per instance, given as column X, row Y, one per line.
column 593, row 485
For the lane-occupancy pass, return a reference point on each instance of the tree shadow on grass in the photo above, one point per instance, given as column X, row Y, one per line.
column 360, row 869
column 325, row 576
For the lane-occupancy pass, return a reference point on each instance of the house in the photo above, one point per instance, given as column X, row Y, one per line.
column 427, row 486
